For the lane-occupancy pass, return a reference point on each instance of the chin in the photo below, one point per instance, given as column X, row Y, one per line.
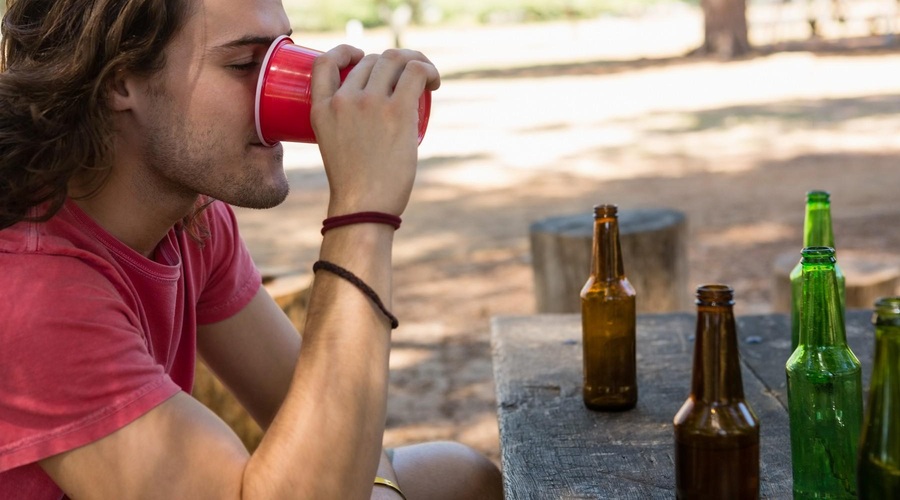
column 263, row 194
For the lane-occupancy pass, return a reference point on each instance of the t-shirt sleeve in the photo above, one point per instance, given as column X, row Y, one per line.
column 232, row 278
column 74, row 365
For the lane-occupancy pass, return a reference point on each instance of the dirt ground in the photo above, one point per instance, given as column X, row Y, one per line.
column 542, row 120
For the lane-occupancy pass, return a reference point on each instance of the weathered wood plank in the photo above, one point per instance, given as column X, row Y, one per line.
column 766, row 346
column 552, row 447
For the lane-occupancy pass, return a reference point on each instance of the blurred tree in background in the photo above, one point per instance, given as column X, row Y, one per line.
column 725, row 28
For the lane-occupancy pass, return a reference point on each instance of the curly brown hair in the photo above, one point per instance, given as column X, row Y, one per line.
column 57, row 58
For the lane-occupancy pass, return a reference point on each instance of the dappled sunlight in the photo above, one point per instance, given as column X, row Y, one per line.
column 750, row 234
column 408, row 357
column 480, row 176
column 432, row 430
column 481, row 431
column 623, row 126
column 413, row 248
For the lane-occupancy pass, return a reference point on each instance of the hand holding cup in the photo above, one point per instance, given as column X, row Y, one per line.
column 284, row 97
column 367, row 114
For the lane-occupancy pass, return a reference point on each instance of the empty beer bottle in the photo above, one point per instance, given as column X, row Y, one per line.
column 817, row 232
column 824, row 388
column 879, row 450
column 716, row 431
column 608, row 321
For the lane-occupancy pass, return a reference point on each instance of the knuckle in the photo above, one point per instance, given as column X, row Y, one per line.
column 341, row 100
column 370, row 58
column 321, row 61
column 420, row 68
column 393, row 54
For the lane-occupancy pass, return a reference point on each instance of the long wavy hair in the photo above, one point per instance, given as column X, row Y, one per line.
column 57, row 60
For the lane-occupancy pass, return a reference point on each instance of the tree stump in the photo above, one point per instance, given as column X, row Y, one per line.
column 867, row 277
column 654, row 254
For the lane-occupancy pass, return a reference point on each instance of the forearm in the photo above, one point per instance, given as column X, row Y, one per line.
column 336, row 404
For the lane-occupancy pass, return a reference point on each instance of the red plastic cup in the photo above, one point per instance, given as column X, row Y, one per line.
column 283, row 95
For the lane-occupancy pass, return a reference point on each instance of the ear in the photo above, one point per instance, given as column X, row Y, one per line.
column 121, row 91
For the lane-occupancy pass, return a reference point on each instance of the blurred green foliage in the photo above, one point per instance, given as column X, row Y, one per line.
column 322, row 15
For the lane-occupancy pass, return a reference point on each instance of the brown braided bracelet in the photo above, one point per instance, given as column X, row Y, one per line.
column 358, row 283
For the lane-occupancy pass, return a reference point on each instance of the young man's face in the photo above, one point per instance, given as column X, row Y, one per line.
column 195, row 129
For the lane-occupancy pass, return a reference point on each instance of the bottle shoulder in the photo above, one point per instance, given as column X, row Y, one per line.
column 829, row 361
column 619, row 286
column 703, row 419
column 607, row 288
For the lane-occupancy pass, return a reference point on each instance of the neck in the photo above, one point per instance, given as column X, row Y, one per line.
column 821, row 317
column 817, row 229
column 716, row 376
column 135, row 215
column 607, row 262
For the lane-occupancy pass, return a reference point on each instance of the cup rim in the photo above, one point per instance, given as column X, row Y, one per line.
column 263, row 72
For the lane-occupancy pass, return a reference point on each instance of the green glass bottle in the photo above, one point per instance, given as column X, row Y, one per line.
column 817, row 232
column 716, row 431
column 608, row 319
column 879, row 449
column 824, row 388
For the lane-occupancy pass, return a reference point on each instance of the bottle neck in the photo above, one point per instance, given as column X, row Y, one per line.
column 821, row 316
column 887, row 334
column 716, row 375
column 607, row 262
column 817, row 227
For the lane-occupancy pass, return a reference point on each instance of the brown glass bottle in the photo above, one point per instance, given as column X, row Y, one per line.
column 716, row 431
column 608, row 321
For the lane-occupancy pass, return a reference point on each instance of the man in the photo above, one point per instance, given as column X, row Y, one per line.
column 120, row 122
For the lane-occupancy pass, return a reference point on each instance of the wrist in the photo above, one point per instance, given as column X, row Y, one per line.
column 387, row 484
column 338, row 206
column 370, row 217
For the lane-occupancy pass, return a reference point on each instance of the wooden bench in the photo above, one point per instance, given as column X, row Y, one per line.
column 654, row 253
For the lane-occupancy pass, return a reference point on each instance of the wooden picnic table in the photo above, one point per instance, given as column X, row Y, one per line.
column 552, row 447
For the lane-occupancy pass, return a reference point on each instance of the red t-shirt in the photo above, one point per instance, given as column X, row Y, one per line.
column 94, row 335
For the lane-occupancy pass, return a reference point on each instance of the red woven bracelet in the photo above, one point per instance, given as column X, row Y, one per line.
column 361, row 217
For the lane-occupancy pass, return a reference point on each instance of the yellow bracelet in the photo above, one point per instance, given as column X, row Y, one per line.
column 390, row 484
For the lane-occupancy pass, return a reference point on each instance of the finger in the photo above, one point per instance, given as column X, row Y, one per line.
column 390, row 66
column 417, row 76
column 326, row 77
column 360, row 74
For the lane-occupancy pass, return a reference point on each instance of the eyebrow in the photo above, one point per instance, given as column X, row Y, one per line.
column 245, row 41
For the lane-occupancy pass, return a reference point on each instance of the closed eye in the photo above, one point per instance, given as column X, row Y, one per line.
column 246, row 67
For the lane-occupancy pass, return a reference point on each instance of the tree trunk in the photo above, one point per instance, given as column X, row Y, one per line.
column 416, row 6
column 725, row 28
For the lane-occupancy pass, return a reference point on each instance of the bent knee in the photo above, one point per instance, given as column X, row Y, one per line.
column 447, row 467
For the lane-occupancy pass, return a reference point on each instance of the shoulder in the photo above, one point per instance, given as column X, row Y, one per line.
column 227, row 274
column 49, row 264
column 43, row 291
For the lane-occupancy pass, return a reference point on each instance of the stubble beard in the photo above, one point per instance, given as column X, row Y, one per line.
column 186, row 166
